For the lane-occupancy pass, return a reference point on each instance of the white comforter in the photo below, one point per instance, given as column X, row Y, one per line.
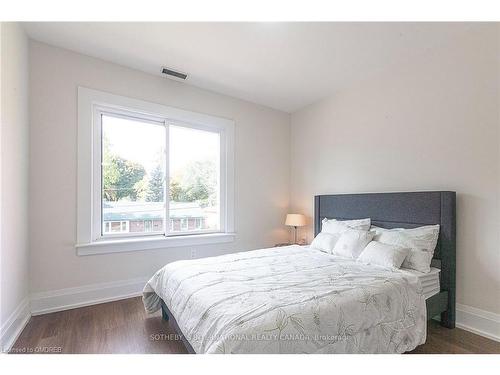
column 290, row 300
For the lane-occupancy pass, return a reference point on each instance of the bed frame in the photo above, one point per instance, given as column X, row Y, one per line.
column 394, row 210
column 167, row 316
column 406, row 210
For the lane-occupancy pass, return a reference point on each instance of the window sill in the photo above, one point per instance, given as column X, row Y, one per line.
column 139, row 244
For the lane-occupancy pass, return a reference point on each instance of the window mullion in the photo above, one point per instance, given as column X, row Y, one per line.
column 97, row 175
column 166, row 193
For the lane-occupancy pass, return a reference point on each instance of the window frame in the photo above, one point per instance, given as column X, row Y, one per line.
column 92, row 104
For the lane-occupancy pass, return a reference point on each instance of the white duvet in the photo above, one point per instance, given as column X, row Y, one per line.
column 290, row 300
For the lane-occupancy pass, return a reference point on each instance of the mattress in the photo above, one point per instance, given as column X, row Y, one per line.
column 429, row 281
column 290, row 300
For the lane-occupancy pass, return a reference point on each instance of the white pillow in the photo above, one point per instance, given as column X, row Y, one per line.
column 352, row 242
column 325, row 242
column 336, row 226
column 420, row 241
column 382, row 254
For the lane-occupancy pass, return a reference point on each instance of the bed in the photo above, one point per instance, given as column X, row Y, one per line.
column 297, row 299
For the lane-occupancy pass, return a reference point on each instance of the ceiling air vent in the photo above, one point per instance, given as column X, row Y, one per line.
column 173, row 74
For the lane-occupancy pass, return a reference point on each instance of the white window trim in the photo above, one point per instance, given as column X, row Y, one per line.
column 87, row 241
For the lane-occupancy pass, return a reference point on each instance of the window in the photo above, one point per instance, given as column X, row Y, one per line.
column 194, row 165
column 153, row 173
column 110, row 227
column 148, row 225
column 199, row 223
column 133, row 150
column 184, row 225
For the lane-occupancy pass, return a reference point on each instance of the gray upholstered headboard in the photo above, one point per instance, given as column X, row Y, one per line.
column 402, row 210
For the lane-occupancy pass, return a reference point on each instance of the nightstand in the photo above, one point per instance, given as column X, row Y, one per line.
column 289, row 244
column 283, row 244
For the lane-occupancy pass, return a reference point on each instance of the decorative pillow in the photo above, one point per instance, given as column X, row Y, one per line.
column 421, row 241
column 352, row 242
column 418, row 260
column 384, row 255
column 336, row 226
column 325, row 242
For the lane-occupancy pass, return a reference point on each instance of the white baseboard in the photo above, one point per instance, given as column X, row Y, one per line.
column 14, row 325
column 70, row 298
column 478, row 321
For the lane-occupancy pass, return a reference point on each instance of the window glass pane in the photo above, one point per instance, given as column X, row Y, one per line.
column 133, row 182
column 194, row 180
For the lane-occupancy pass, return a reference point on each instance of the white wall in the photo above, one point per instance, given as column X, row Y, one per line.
column 262, row 140
column 14, row 179
column 430, row 124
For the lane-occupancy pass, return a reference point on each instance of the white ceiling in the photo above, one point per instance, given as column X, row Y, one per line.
column 281, row 65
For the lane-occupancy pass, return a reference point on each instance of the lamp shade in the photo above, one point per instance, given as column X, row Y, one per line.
column 295, row 220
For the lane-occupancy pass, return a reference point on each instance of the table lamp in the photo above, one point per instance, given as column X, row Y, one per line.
column 295, row 220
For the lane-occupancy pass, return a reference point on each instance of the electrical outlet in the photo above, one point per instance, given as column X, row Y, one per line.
column 193, row 253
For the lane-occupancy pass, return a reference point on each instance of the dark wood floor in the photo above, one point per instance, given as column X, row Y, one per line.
column 124, row 327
